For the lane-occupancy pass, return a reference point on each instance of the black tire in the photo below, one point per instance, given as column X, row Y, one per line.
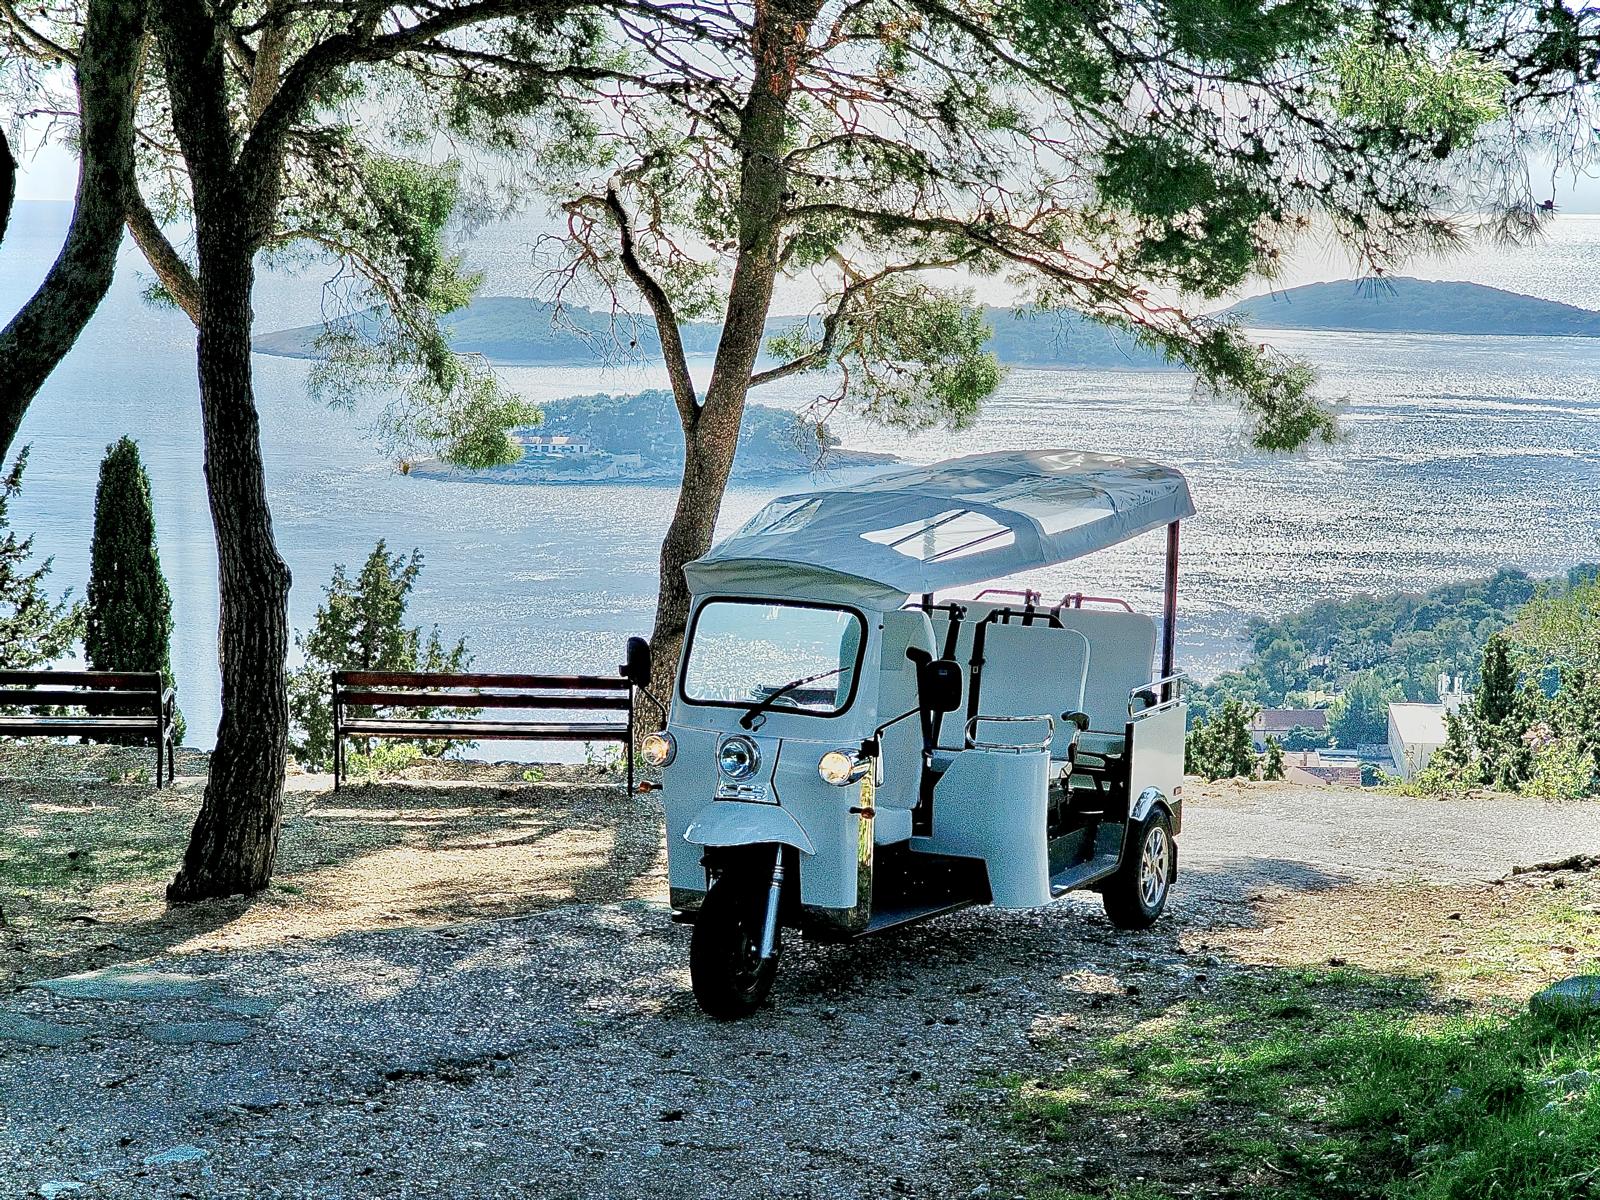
column 725, row 966
column 1137, row 894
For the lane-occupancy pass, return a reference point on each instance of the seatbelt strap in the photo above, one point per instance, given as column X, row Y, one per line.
column 953, row 634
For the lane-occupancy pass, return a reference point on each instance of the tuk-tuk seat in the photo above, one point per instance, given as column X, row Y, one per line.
column 1027, row 671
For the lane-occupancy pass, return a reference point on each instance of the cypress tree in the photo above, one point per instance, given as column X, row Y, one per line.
column 1497, row 692
column 130, row 608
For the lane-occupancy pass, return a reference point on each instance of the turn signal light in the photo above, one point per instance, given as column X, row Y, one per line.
column 839, row 767
column 658, row 749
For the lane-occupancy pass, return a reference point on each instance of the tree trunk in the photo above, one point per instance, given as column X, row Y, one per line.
column 236, row 834
column 778, row 40
column 39, row 337
column 8, row 187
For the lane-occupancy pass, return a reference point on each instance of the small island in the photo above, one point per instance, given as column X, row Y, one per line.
column 601, row 438
column 1405, row 305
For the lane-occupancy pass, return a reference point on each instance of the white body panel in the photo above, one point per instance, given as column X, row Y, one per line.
column 990, row 804
column 1156, row 767
column 792, row 744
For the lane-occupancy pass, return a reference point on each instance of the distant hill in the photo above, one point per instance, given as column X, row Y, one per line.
column 509, row 330
column 1404, row 305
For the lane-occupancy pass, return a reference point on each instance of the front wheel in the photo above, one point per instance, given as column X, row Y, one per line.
column 1136, row 895
column 730, row 977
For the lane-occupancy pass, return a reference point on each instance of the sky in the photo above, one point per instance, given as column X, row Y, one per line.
column 51, row 173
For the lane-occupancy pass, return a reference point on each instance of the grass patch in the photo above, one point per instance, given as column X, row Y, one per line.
column 52, row 858
column 1294, row 1085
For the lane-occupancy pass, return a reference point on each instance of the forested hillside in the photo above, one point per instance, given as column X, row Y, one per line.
column 1401, row 641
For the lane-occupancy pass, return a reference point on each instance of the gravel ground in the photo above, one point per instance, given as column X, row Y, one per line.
column 559, row 1054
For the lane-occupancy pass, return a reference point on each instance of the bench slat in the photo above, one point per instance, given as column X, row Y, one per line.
column 474, row 730
column 430, row 679
column 33, row 697
column 10, row 725
column 146, row 680
column 392, row 699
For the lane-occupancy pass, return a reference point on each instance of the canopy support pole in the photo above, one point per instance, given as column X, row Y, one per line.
column 1169, row 619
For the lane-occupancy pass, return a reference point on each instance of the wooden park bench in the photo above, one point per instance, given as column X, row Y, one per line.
column 375, row 691
column 120, row 704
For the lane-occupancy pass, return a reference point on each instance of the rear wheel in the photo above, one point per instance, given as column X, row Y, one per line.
column 730, row 977
column 1136, row 895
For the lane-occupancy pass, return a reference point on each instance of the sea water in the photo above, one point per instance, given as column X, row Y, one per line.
column 1458, row 456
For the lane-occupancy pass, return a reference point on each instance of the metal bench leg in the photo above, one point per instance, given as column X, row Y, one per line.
column 627, row 749
column 160, row 757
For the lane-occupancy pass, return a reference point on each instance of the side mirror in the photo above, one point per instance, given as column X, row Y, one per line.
column 637, row 669
column 939, row 682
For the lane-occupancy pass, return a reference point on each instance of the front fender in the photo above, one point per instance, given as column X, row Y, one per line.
column 735, row 823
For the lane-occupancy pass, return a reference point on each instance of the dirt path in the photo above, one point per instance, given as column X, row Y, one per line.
column 1244, row 836
column 559, row 1054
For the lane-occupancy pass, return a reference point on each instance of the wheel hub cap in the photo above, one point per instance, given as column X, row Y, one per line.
column 1153, row 867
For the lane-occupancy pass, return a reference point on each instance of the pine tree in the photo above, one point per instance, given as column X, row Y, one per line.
column 1220, row 748
column 34, row 631
column 130, row 608
column 1272, row 762
column 361, row 627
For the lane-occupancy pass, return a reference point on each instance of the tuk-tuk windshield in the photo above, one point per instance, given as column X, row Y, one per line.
column 743, row 652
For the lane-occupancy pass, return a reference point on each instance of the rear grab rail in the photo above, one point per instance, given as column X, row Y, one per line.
column 973, row 743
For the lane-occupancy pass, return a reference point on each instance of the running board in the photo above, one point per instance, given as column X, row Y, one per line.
column 1081, row 875
column 910, row 915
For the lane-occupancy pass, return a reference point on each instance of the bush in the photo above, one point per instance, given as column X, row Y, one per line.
column 1561, row 769
column 129, row 623
column 34, row 631
column 361, row 627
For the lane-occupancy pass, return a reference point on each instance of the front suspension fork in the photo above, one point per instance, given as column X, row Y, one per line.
column 769, row 928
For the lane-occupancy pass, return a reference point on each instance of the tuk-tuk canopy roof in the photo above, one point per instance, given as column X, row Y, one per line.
column 953, row 524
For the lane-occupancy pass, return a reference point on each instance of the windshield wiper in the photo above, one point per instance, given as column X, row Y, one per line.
column 761, row 706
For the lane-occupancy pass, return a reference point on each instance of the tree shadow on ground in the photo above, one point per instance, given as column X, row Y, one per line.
column 83, row 866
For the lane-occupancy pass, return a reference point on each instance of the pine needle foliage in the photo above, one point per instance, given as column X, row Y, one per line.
column 360, row 626
column 34, row 629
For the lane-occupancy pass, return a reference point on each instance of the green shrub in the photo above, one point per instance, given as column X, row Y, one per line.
column 1561, row 769
column 383, row 758
column 1272, row 760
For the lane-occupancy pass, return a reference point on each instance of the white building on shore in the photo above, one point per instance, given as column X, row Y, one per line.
column 1417, row 730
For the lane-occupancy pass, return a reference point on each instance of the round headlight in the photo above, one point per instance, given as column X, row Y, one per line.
column 836, row 767
column 738, row 758
column 658, row 749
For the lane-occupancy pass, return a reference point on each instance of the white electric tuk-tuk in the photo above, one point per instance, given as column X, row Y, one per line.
column 849, row 749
